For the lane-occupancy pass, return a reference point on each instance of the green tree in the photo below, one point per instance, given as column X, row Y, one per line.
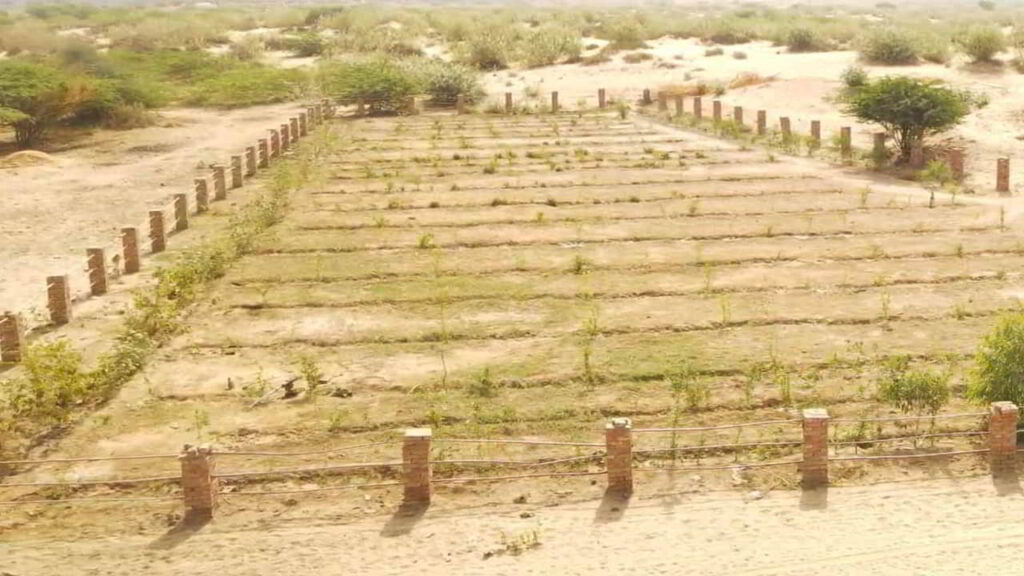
column 908, row 109
column 34, row 97
column 888, row 46
column 381, row 83
column 998, row 373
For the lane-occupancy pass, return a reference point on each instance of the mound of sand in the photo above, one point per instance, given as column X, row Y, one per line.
column 26, row 158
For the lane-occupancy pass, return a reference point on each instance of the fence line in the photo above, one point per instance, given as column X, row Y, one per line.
column 722, row 427
column 89, row 500
column 904, row 418
column 313, row 490
column 718, row 447
column 90, row 459
column 515, row 477
column 914, row 437
column 523, row 442
column 250, row 473
column 737, row 465
column 307, row 453
column 907, row 456
column 92, row 482
column 523, row 463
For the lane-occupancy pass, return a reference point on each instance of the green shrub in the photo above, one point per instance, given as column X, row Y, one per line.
column 888, row 46
column 908, row 109
column 998, row 373
column 549, row 45
column 248, row 49
column 444, row 81
column 714, row 52
column 248, row 86
column 381, row 83
column 917, row 391
column 981, row 43
column 624, row 34
column 804, row 40
column 490, row 49
column 34, row 97
column 305, row 45
column 637, row 57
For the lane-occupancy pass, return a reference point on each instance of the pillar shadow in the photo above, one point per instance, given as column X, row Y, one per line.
column 404, row 519
column 613, row 506
column 181, row 532
column 814, row 498
column 1006, row 482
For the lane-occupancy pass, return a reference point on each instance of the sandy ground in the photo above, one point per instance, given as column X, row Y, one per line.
column 803, row 88
column 937, row 528
column 53, row 211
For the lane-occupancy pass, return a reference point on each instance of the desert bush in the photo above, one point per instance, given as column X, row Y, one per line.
column 304, row 45
column 714, row 51
column 162, row 33
column 551, row 44
column 444, row 81
column 802, row 39
column 35, row 97
column 981, row 43
column 248, row 49
column 380, row 82
column 248, row 86
column 908, row 109
column 854, row 77
column 490, row 49
column 624, row 34
column 739, row 55
column 934, row 48
column 917, row 391
column 888, row 46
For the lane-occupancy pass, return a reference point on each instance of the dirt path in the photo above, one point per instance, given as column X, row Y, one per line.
column 52, row 212
column 936, row 528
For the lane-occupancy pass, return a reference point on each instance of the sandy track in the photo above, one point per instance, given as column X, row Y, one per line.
column 52, row 212
column 937, row 528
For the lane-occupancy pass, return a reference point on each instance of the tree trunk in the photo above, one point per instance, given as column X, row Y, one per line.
column 27, row 133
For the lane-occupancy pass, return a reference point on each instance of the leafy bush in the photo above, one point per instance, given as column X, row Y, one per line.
column 490, row 49
column 382, row 84
column 888, row 46
column 304, row 45
column 854, row 77
column 804, row 40
column 998, row 373
column 624, row 34
column 248, row 49
column 34, row 97
column 981, row 43
column 551, row 44
column 917, row 391
column 714, row 52
column 444, row 81
column 908, row 109
column 637, row 57
column 248, row 86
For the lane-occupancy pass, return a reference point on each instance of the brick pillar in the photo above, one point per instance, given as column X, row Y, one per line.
column 917, row 157
column 58, row 299
column 202, row 189
column 698, row 110
column 293, row 129
column 198, row 482
column 618, row 436
column 1003, row 175
column 878, row 149
column 250, row 161
column 460, row 104
column 286, row 139
column 12, row 337
column 601, row 98
column 737, row 114
column 508, row 102
column 716, row 110
column 416, row 465
column 679, row 106
column 815, row 465
column 236, row 172
column 554, row 101
column 662, row 101
column 845, row 141
column 263, row 154
column 130, row 250
column 96, row 262
column 180, row 212
column 220, row 187
column 816, row 133
column 762, row 122
column 647, row 96
column 157, row 234
column 787, row 130
column 303, row 124
column 956, row 164
column 1002, row 437
column 275, row 144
